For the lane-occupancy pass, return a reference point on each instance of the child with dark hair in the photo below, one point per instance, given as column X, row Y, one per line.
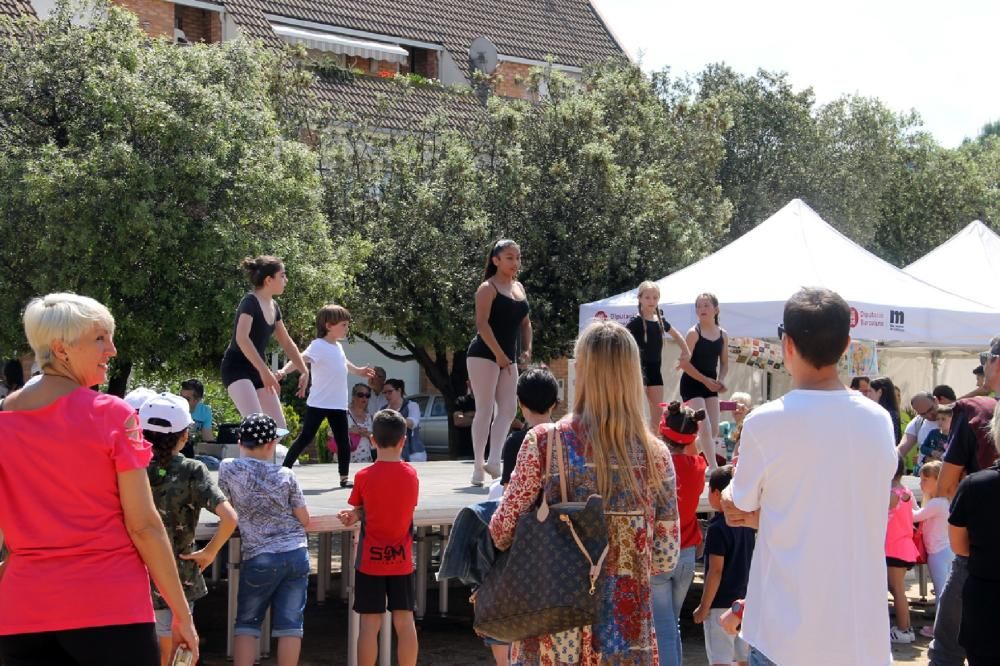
column 181, row 488
column 537, row 394
column 679, row 428
column 328, row 396
column 727, row 569
column 274, row 571
column 193, row 391
column 884, row 392
column 384, row 497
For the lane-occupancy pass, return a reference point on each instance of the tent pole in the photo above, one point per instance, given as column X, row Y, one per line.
column 935, row 366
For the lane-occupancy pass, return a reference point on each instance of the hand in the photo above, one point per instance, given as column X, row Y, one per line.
column 525, row 357
column 367, row 372
column 736, row 517
column 503, row 361
column 722, row 387
column 184, row 633
column 684, row 357
column 349, row 516
column 730, row 622
column 271, row 382
column 203, row 558
column 303, row 385
column 712, row 385
column 700, row 614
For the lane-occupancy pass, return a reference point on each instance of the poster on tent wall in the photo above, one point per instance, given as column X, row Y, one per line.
column 861, row 357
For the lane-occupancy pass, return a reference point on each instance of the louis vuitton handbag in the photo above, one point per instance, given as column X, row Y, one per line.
column 547, row 581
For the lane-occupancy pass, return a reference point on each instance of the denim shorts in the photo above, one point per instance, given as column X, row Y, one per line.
column 164, row 618
column 279, row 580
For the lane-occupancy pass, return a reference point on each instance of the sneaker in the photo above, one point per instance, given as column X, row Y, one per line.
column 927, row 631
column 897, row 635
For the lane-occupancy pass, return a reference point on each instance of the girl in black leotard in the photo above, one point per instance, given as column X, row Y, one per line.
column 648, row 329
column 502, row 323
column 251, row 384
column 705, row 373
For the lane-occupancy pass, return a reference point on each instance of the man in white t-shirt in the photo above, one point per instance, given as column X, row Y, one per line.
column 814, row 475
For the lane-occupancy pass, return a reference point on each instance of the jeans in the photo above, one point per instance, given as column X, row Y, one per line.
column 278, row 580
column 939, row 564
column 669, row 591
column 758, row 658
column 944, row 649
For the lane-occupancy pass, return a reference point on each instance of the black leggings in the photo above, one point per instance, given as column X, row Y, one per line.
column 117, row 645
column 337, row 419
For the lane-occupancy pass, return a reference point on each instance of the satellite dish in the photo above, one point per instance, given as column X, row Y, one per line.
column 483, row 55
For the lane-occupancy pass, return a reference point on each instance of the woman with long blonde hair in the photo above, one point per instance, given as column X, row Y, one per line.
column 649, row 328
column 609, row 450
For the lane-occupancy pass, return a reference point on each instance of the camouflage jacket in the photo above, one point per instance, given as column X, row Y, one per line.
column 181, row 490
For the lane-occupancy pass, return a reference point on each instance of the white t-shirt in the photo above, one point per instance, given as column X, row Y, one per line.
column 376, row 403
column 934, row 516
column 328, row 367
column 818, row 465
column 926, row 428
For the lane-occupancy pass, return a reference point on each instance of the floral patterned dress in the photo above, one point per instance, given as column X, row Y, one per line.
column 643, row 541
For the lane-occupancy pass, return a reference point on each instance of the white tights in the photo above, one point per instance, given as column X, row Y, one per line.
column 249, row 400
column 495, row 391
column 708, row 430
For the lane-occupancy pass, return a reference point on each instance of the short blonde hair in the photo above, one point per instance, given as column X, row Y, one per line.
column 743, row 398
column 63, row 317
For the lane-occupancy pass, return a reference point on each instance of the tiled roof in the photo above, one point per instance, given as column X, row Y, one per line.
column 392, row 105
column 15, row 8
column 569, row 30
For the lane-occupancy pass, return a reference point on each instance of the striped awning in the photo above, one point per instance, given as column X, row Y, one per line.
column 327, row 41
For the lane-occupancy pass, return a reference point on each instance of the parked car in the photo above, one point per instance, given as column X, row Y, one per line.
column 433, row 422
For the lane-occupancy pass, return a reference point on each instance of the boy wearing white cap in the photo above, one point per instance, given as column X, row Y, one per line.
column 181, row 488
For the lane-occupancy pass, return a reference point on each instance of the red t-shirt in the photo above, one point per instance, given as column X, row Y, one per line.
column 72, row 563
column 690, row 484
column 387, row 491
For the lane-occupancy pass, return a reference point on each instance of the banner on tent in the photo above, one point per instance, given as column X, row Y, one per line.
column 861, row 357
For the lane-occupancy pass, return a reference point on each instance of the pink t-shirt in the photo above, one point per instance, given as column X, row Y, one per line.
column 72, row 563
column 899, row 531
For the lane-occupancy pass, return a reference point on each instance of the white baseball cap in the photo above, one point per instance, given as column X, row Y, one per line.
column 170, row 408
column 137, row 397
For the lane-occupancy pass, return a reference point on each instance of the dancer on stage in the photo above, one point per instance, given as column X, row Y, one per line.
column 502, row 322
column 705, row 373
column 648, row 328
column 252, row 385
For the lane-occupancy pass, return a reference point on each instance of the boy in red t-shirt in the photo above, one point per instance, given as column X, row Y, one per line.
column 383, row 498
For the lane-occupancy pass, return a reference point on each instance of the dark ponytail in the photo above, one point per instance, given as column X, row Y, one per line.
column 260, row 268
column 498, row 247
column 163, row 443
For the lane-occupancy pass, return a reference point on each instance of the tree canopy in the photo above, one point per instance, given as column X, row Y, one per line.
column 140, row 174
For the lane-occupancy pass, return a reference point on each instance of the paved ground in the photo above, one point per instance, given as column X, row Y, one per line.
column 450, row 641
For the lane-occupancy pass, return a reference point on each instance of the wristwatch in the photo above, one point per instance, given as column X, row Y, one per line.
column 737, row 609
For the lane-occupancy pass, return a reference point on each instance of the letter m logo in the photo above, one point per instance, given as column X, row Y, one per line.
column 896, row 317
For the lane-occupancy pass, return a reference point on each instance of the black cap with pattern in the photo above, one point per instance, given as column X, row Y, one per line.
column 257, row 429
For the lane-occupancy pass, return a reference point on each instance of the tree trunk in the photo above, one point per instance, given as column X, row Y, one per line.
column 118, row 381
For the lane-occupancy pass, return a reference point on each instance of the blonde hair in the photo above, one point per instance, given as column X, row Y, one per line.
column 644, row 287
column 995, row 427
column 63, row 317
column 609, row 404
column 743, row 398
column 931, row 468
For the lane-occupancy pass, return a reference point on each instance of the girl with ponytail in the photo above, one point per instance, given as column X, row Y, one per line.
column 704, row 374
column 648, row 328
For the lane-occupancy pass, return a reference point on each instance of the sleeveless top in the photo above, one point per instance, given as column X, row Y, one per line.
column 651, row 349
column 260, row 331
column 706, row 354
column 506, row 315
column 899, row 531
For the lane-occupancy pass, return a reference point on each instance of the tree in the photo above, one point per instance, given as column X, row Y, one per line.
column 140, row 173
column 601, row 183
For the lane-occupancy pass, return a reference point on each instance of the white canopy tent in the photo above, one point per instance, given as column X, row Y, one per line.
column 968, row 263
column 754, row 275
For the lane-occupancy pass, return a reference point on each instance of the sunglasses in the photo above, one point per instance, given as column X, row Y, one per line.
column 782, row 331
column 362, row 395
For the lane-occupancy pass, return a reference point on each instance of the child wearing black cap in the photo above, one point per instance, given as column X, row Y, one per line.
column 275, row 560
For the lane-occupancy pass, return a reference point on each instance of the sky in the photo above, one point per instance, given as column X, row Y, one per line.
column 941, row 59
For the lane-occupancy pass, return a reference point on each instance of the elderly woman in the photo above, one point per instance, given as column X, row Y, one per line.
column 974, row 530
column 76, row 509
column 360, row 424
column 610, row 451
